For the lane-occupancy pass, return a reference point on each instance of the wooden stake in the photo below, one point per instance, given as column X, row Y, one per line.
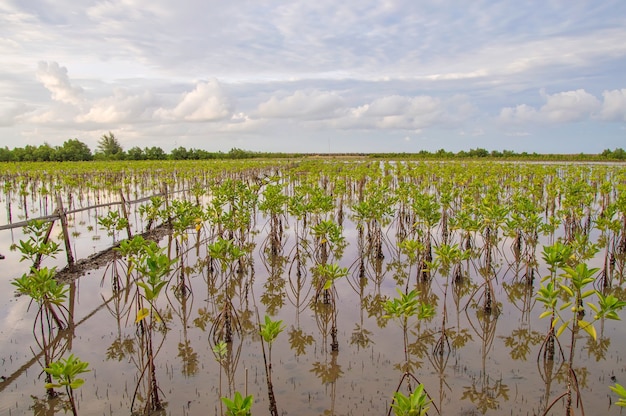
column 66, row 234
column 125, row 213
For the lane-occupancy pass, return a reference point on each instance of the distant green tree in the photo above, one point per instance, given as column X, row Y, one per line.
column 28, row 155
column 442, row 153
column 5, row 154
column 45, row 153
column 478, row 152
column 109, row 148
column 199, row 154
column 155, row 153
column 73, row 150
column 236, row 153
column 180, row 153
column 135, row 153
column 618, row 154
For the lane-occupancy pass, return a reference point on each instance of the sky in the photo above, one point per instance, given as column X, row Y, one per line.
column 315, row 76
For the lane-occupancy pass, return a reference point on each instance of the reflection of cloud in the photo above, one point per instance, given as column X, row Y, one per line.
column 15, row 312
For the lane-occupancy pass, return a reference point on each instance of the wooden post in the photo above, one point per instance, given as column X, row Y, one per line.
column 125, row 213
column 167, row 202
column 66, row 234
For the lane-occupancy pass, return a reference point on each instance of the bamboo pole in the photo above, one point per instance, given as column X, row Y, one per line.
column 66, row 234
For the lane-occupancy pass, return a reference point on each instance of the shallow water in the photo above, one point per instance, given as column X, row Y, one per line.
column 490, row 365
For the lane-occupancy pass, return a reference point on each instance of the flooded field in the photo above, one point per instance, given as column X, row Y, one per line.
column 494, row 286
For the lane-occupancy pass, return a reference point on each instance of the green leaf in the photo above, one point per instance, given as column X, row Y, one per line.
column 546, row 313
column 142, row 314
column 77, row 383
column 589, row 328
column 592, row 306
column 568, row 290
column 588, row 293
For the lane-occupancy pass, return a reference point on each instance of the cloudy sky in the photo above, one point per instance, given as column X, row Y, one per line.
column 316, row 76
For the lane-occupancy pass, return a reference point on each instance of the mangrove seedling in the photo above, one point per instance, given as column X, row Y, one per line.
column 329, row 273
column 38, row 246
column 65, row 374
column 571, row 288
column 416, row 404
column 621, row 392
column 113, row 223
column 239, row 405
column 402, row 308
column 270, row 331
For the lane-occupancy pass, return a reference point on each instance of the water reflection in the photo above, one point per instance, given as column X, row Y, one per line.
column 230, row 269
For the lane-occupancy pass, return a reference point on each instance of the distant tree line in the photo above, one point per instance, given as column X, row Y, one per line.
column 479, row 153
column 109, row 148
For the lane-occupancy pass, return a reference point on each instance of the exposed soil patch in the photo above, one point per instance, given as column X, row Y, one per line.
column 104, row 257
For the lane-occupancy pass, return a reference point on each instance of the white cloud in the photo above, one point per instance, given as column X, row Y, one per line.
column 55, row 79
column 10, row 114
column 207, row 102
column 569, row 106
column 406, row 113
column 349, row 70
column 312, row 104
column 519, row 114
column 563, row 107
column 122, row 106
column 614, row 105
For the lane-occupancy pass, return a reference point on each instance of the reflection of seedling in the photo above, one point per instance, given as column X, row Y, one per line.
column 65, row 372
column 238, row 406
column 298, row 340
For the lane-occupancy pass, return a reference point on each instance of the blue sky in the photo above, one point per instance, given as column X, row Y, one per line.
column 316, row 76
